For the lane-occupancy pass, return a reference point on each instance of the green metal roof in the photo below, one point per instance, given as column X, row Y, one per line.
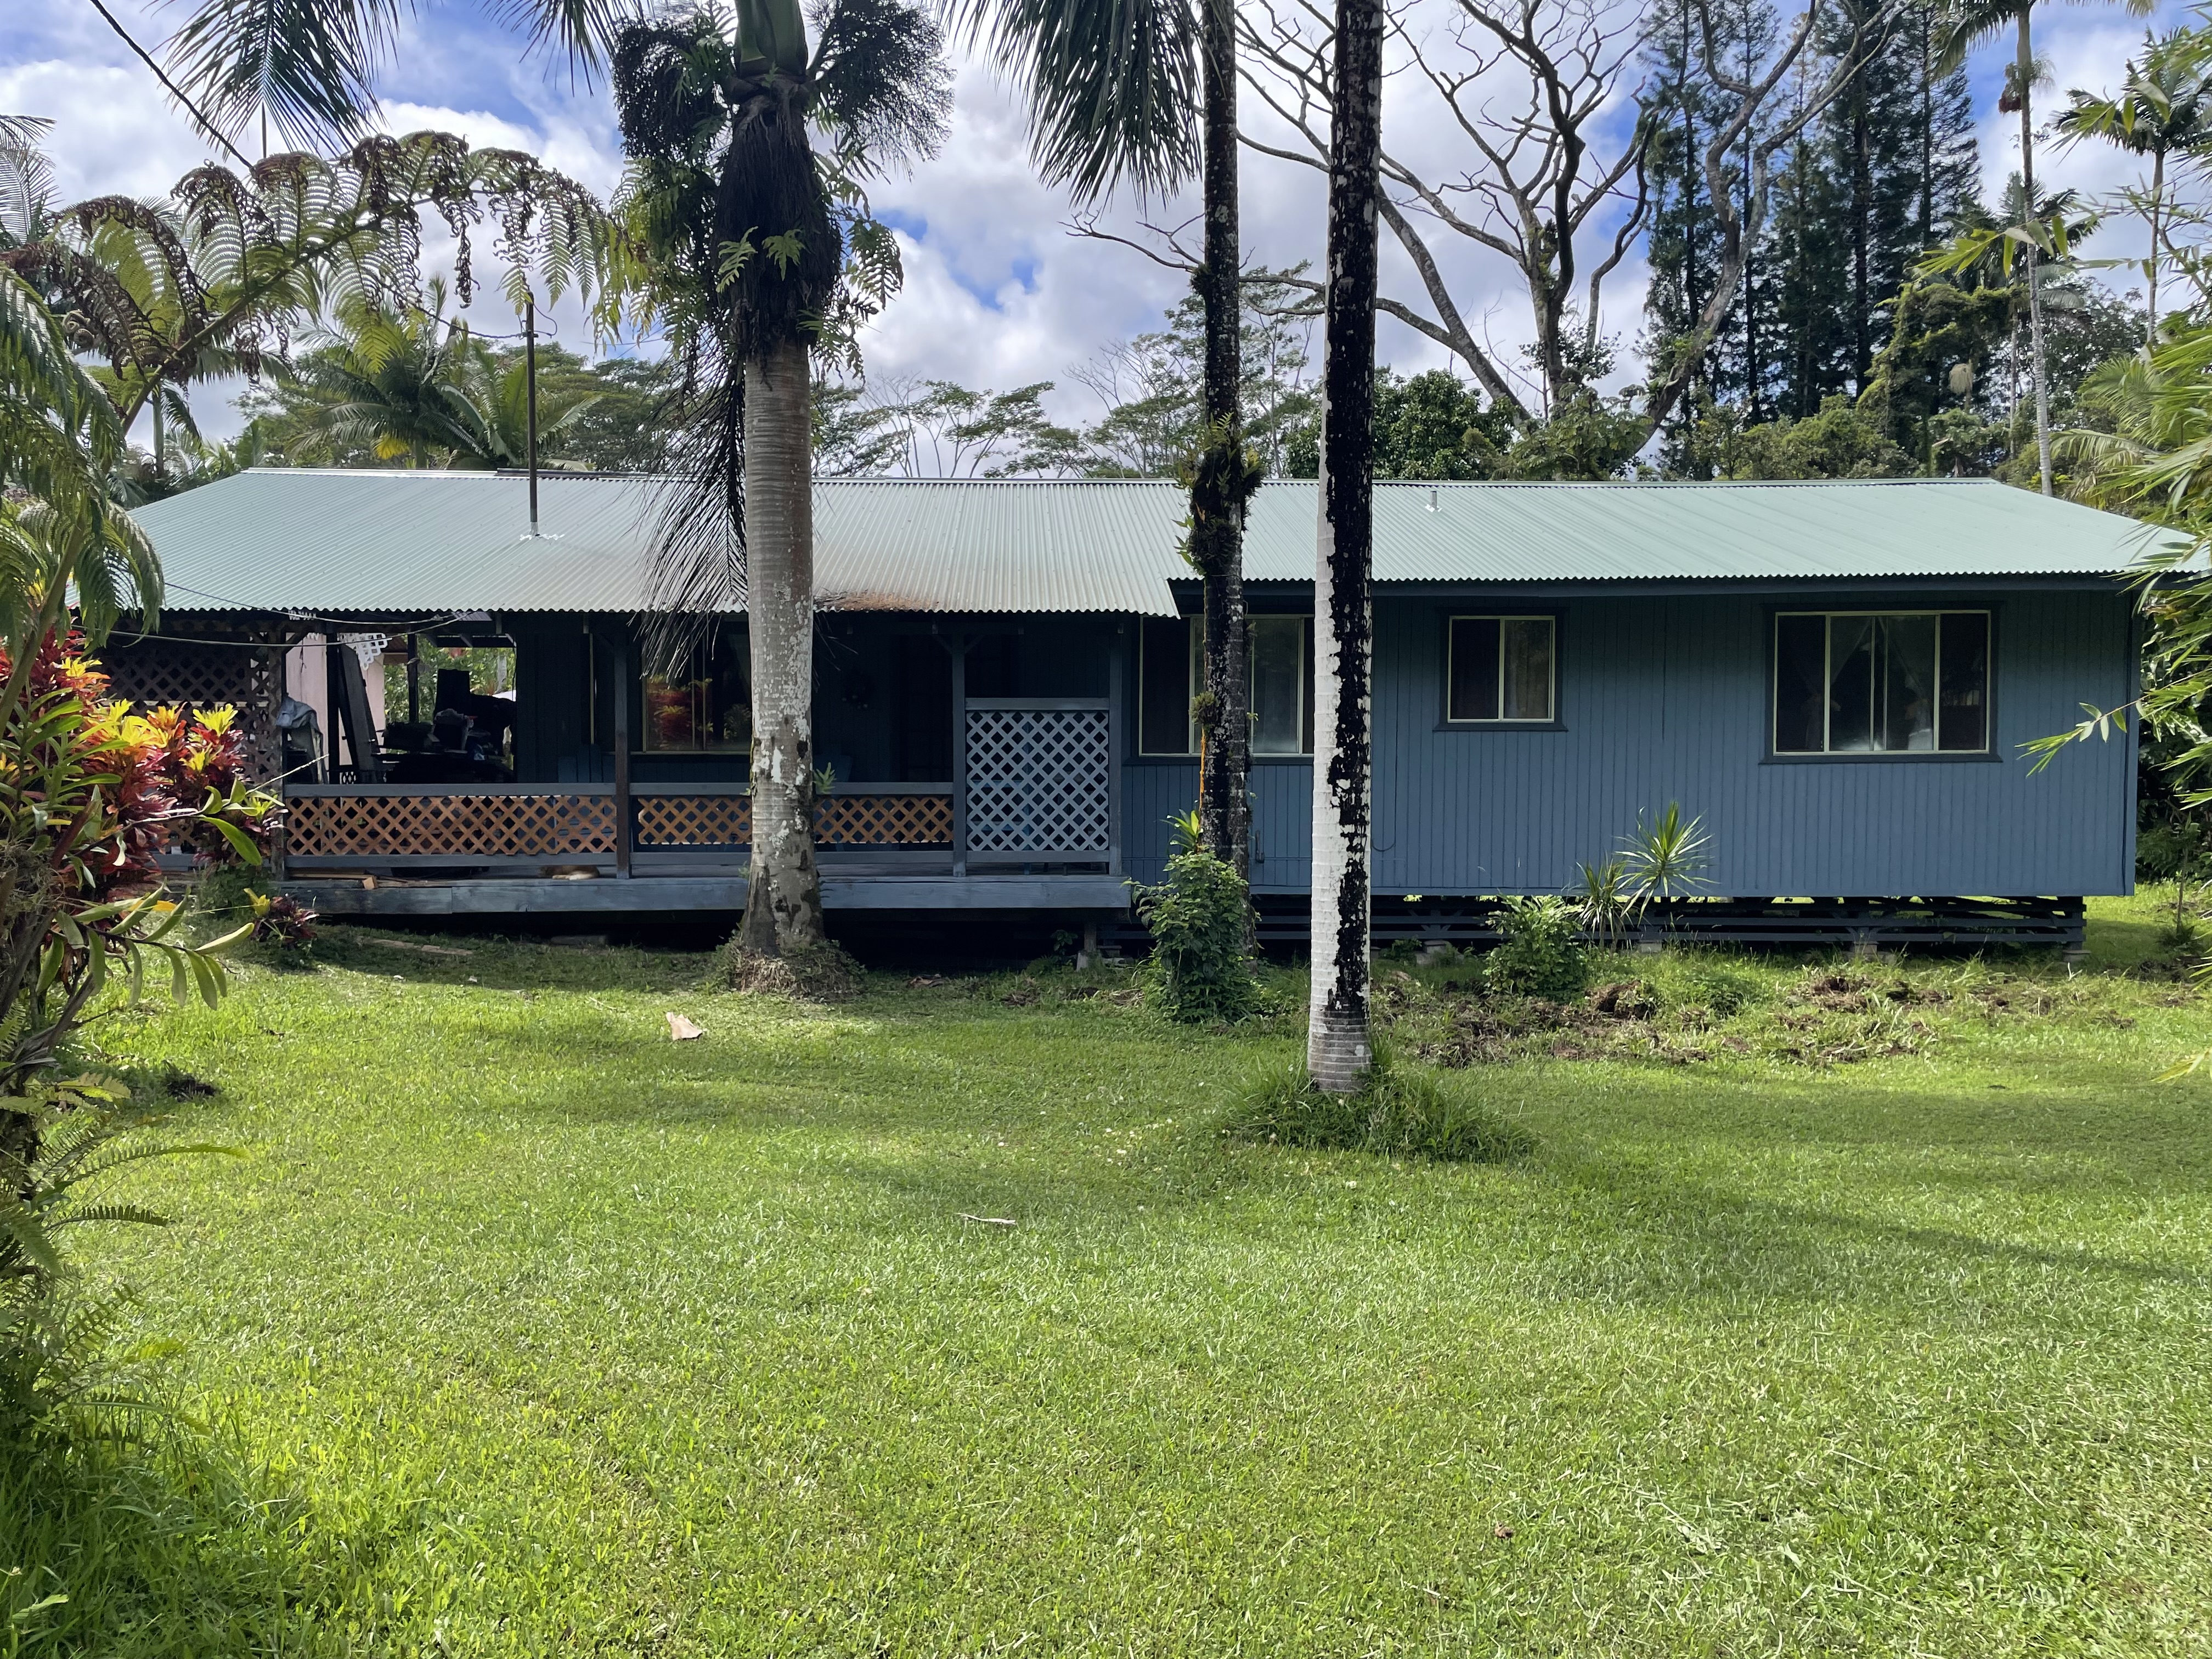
column 348, row 542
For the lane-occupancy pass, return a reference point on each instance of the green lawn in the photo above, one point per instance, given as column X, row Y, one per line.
column 535, row 1332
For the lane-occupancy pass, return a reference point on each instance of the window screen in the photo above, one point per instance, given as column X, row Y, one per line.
column 1501, row 669
column 1880, row 682
column 1282, row 686
column 1167, row 678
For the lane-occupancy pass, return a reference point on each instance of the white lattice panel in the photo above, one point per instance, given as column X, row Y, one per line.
column 1040, row 780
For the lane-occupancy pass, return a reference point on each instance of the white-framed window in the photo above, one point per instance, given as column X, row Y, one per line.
column 1281, row 664
column 1170, row 669
column 1171, row 672
column 1882, row 682
column 1501, row 670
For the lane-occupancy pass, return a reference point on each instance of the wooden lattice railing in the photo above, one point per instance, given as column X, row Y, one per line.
column 426, row 825
column 516, row 823
column 839, row 820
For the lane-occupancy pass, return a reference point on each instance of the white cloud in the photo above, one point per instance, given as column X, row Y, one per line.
column 998, row 292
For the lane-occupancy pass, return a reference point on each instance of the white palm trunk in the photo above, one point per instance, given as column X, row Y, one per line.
column 1339, row 1046
column 1340, row 1049
column 783, row 904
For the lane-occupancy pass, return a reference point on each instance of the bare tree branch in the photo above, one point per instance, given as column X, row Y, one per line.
column 1533, row 87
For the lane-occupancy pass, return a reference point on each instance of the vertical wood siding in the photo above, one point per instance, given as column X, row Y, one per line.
column 1666, row 700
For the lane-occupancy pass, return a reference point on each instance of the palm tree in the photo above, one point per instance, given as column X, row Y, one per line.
column 209, row 281
column 758, row 253
column 1112, row 100
column 63, row 543
column 412, row 386
column 1340, row 1049
column 1966, row 24
column 2164, row 107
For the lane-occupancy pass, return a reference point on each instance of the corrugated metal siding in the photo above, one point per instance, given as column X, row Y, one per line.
column 402, row 543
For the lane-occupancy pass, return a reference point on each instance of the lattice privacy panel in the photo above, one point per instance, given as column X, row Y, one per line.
column 1039, row 781
column 464, row 826
column 841, row 821
column 245, row 676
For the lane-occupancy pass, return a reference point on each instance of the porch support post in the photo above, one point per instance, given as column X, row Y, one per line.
column 959, row 757
column 334, row 701
column 1115, row 672
column 620, row 689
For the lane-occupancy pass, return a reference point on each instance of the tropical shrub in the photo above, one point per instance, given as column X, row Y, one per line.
column 1542, row 955
column 1200, row 920
column 90, row 795
column 1667, row 856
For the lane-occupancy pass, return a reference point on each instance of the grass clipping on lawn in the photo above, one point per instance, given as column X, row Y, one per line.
column 1403, row 1112
column 823, row 972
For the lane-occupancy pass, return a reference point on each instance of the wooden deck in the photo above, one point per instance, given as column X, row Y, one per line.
column 672, row 895
column 1030, row 821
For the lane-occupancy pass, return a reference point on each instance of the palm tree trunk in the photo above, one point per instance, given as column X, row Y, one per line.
column 2025, row 63
column 2150, row 265
column 783, row 904
column 1217, row 496
column 1339, row 1048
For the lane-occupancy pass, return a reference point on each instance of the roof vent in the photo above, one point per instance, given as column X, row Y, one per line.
column 1432, row 498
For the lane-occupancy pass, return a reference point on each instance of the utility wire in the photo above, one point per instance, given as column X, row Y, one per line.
column 191, row 109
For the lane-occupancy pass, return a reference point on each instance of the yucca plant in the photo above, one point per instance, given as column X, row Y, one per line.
column 1604, row 900
column 1666, row 856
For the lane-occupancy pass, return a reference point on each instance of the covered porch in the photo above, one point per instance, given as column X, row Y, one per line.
column 1031, row 818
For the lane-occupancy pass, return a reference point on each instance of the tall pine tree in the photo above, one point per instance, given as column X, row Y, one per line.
column 1886, row 172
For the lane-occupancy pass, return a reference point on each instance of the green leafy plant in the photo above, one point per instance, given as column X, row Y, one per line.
column 90, row 794
column 1542, row 955
column 56, row 1141
column 1200, row 920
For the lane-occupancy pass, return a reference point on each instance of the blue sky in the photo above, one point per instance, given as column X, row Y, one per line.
column 999, row 293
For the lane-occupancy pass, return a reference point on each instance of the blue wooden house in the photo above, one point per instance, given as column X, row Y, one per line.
column 1837, row 678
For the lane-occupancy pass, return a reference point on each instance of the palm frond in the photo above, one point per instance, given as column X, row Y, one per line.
column 310, row 66
column 1112, row 85
column 27, row 177
column 880, row 82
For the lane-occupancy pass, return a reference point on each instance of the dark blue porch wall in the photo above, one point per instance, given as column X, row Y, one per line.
column 565, row 663
column 1053, row 656
column 1665, row 699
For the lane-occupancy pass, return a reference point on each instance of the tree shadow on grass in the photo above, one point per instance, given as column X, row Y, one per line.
column 1644, row 1236
column 157, row 1546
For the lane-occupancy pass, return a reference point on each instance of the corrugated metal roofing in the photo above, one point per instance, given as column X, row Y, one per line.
column 1513, row 532
column 348, row 541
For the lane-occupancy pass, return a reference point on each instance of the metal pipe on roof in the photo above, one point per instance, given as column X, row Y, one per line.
column 530, row 374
